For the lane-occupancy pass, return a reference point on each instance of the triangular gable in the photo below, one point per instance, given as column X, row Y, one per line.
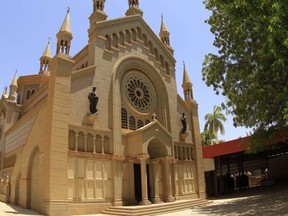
column 126, row 23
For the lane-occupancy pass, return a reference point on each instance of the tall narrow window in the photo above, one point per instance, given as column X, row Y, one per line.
column 72, row 140
column 98, row 144
column 107, row 148
column 81, row 142
column 128, row 36
column 124, row 118
column 90, row 143
column 140, row 124
column 167, row 68
column 139, row 33
column 121, row 38
column 145, row 40
column 108, row 42
column 28, row 94
column 132, row 123
column 134, row 35
column 115, row 40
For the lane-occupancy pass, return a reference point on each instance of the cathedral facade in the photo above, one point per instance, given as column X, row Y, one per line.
column 105, row 127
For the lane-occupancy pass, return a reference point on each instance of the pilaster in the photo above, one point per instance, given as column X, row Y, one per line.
column 57, row 115
column 198, row 148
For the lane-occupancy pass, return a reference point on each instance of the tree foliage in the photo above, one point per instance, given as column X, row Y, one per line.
column 251, row 67
column 214, row 123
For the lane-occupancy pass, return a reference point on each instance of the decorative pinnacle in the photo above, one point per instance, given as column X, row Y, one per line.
column 68, row 9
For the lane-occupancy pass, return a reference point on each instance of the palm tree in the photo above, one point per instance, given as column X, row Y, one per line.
column 214, row 122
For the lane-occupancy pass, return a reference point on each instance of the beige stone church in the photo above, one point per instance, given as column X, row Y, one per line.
column 105, row 127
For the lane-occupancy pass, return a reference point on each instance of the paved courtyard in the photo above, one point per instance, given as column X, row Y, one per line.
column 269, row 200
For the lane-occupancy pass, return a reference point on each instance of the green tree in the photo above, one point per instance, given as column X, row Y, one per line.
column 207, row 139
column 214, row 123
column 250, row 69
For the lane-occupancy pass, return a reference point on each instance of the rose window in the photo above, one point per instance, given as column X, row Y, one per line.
column 138, row 93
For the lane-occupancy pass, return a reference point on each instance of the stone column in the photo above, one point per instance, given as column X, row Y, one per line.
column 132, row 183
column 167, row 173
column 94, row 144
column 76, row 141
column 85, row 143
column 145, row 200
column 156, row 198
column 117, row 181
column 102, row 145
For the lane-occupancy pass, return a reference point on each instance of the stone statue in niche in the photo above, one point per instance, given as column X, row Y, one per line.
column 184, row 123
column 93, row 99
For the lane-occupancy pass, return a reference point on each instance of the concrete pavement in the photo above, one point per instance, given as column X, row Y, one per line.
column 269, row 200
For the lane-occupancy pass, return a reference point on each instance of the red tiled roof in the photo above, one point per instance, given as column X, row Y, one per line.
column 229, row 147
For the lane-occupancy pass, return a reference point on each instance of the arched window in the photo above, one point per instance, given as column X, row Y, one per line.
column 151, row 47
column 167, row 68
column 108, row 42
column 147, row 121
column 107, row 149
column 139, row 33
column 134, row 35
column 98, row 144
column 121, row 38
column 115, row 40
column 32, row 91
column 161, row 61
column 128, row 36
column 140, row 124
column 72, row 140
column 90, row 143
column 28, row 94
column 81, row 142
column 132, row 123
column 156, row 54
column 124, row 118
column 145, row 40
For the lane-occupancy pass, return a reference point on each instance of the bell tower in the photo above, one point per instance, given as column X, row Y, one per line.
column 64, row 36
column 133, row 8
column 44, row 60
column 187, row 85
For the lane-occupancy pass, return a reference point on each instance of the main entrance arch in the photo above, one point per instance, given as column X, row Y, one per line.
column 152, row 174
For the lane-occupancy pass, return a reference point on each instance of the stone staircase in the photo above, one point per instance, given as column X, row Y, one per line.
column 155, row 209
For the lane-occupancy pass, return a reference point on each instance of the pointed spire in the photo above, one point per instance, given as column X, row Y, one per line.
column 186, row 79
column 45, row 59
column 164, row 33
column 187, row 85
column 64, row 36
column 163, row 25
column 13, row 88
column 5, row 90
column 66, row 23
column 133, row 8
column 47, row 51
column 14, row 81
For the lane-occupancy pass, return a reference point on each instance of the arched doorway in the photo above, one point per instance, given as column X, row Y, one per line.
column 146, row 173
column 17, row 186
column 157, row 150
column 33, row 181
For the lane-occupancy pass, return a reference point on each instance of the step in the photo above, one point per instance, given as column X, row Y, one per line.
column 155, row 209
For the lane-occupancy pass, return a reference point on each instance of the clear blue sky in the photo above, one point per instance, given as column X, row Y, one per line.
column 26, row 24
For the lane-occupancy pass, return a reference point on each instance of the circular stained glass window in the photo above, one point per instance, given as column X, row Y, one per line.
column 139, row 92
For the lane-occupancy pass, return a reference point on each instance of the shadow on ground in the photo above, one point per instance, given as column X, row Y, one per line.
column 269, row 200
column 16, row 210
